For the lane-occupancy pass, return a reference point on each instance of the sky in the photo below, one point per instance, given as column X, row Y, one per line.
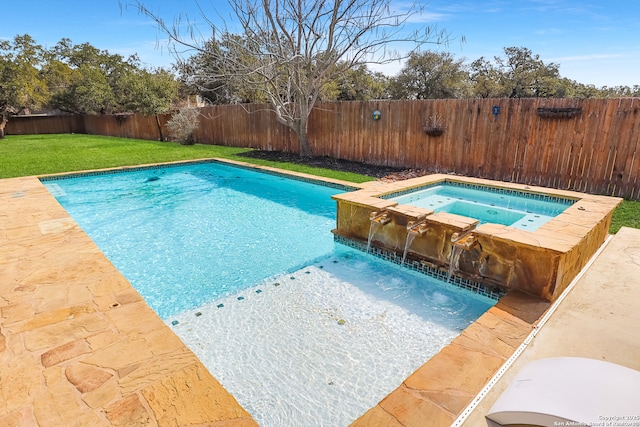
column 593, row 41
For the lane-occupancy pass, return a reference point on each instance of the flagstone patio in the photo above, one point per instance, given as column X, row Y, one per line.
column 79, row 346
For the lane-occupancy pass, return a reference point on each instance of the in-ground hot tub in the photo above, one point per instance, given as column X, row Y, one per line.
column 486, row 204
column 402, row 221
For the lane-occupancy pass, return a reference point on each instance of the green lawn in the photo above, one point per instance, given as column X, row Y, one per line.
column 44, row 154
column 625, row 215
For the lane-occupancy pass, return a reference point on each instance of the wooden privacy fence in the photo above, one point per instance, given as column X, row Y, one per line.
column 588, row 145
column 34, row 125
column 585, row 145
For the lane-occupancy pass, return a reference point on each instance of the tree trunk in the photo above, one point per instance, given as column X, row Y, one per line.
column 299, row 127
column 159, row 128
column 3, row 123
column 305, row 149
column 304, row 112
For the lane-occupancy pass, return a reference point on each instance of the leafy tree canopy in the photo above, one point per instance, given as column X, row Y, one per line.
column 425, row 75
column 21, row 89
column 430, row 75
column 78, row 79
column 518, row 74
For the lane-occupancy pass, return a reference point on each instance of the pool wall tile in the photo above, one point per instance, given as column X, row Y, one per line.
column 481, row 187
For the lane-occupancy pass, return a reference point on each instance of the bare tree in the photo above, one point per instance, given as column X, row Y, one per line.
column 290, row 49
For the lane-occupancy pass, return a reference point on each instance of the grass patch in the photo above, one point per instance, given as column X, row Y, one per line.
column 627, row 214
column 27, row 155
column 312, row 170
column 44, row 154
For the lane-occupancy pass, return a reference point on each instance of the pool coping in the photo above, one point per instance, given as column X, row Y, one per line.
column 77, row 342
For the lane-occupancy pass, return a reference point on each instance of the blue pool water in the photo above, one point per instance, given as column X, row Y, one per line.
column 525, row 213
column 243, row 266
column 187, row 235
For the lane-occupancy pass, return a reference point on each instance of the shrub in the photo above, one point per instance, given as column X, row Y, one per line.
column 182, row 124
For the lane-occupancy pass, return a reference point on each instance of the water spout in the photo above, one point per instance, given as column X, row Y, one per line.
column 411, row 235
column 414, row 229
column 419, row 223
column 381, row 217
column 469, row 242
column 457, row 236
column 484, row 263
column 376, row 220
column 461, row 242
column 456, row 251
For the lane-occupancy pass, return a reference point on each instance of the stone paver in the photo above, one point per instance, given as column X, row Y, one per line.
column 78, row 345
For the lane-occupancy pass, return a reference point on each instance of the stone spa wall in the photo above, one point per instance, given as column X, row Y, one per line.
column 540, row 263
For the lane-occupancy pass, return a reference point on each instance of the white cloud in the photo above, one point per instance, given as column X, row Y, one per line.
column 427, row 17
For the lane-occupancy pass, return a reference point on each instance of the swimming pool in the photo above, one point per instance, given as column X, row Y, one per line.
column 243, row 267
column 503, row 207
column 186, row 235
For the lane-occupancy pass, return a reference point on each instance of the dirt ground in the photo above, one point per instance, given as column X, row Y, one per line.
column 384, row 173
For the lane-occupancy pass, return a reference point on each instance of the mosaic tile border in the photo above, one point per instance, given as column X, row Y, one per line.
column 497, row 190
column 118, row 170
column 470, row 285
column 318, row 181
